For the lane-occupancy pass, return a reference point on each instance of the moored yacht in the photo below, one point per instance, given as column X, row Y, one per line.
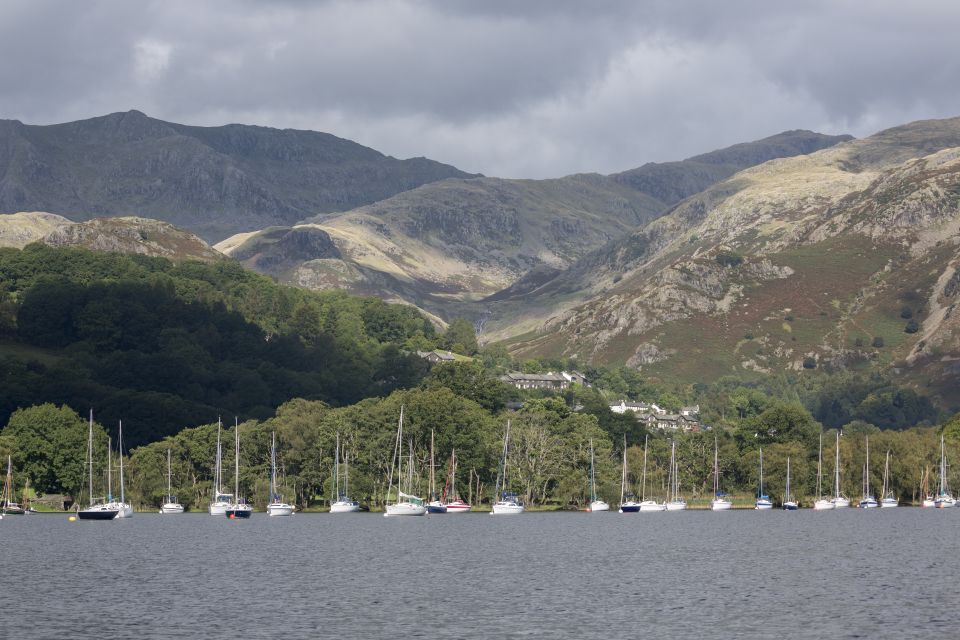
column 763, row 502
column 7, row 505
column 675, row 501
column 839, row 499
column 343, row 503
column 596, row 504
column 239, row 507
column 868, row 501
column 170, row 504
column 720, row 502
column 821, row 503
column 456, row 505
column 221, row 501
column 943, row 499
column 435, row 505
column 124, row 509
column 106, row 509
column 406, row 504
column 507, row 502
column 887, row 499
column 789, row 504
column 277, row 506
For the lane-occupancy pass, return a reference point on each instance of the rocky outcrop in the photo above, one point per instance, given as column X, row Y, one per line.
column 133, row 235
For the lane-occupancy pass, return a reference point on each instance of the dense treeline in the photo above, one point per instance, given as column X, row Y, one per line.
column 549, row 453
column 163, row 344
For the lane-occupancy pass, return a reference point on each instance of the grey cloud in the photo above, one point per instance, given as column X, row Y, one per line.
column 525, row 89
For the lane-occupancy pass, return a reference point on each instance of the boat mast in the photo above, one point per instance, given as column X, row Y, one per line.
column 219, row 463
column 120, row 453
column 787, row 498
column 836, row 469
column 336, row 469
column 109, row 470
column 236, row 462
column 168, row 476
column 593, row 482
column 760, row 495
column 273, row 465
column 453, row 474
column 433, row 486
column 623, row 475
column 716, row 473
column 866, row 469
column 886, row 471
column 820, row 468
column 643, row 483
column 90, row 456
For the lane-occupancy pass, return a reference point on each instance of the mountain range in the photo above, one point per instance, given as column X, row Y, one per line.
column 796, row 252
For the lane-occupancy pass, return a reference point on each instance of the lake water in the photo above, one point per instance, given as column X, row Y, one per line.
column 851, row 573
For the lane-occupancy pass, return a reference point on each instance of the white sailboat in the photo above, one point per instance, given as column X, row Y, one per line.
column 343, row 503
column 821, row 503
column 789, row 504
column 8, row 506
column 887, row 499
column 627, row 503
column 457, row 505
column 596, row 504
column 221, row 501
column 277, row 506
column 943, row 498
column 170, row 504
column 645, row 504
column 124, row 510
column 839, row 499
column 675, row 501
column 239, row 507
column 720, row 502
column 867, row 501
column 406, row 504
column 103, row 509
column 763, row 502
column 926, row 498
column 435, row 505
column 507, row 502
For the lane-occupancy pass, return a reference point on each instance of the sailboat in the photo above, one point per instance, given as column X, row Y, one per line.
column 926, row 498
column 943, row 498
column 839, row 500
column 821, row 503
column 596, row 504
column 676, row 501
column 104, row 509
column 170, row 504
column 124, row 510
column 406, row 504
column 720, row 502
column 7, row 505
column 239, row 508
column 456, row 505
column 436, row 504
column 221, row 501
column 277, row 506
column 507, row 501
column 343, row 504
column 648, row 505
column 868, row 501
column 788, row 503
column 627, row 503
column 763, row 502
column 887, row 499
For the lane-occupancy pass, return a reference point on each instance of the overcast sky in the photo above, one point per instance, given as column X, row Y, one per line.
column 514, row 89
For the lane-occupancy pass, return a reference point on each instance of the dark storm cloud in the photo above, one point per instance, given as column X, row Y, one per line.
column 529, row 89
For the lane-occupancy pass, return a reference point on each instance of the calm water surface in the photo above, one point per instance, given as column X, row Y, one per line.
column 845, row 574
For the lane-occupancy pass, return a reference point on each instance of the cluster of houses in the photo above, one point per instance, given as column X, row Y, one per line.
column 656, row 417
column 651, row 415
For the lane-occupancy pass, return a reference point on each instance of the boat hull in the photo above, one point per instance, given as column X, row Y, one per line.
column 676, row 505
column 928, row 502
column 507, row 508
column 629, row 507
column 824, row 505
column 840, row 503
column 790, row 506
column 279, row 509
column 124, row 510
column 720, row 505
column 436, row 507
column 763, row 505
column 648, row 506
column 239, row 512
column 171, row 508
column 405, row 509
column 97, row 514
column 458, row 507
column 889, row 503
column 597, row 506
column 345, row 507
column 218, row 509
